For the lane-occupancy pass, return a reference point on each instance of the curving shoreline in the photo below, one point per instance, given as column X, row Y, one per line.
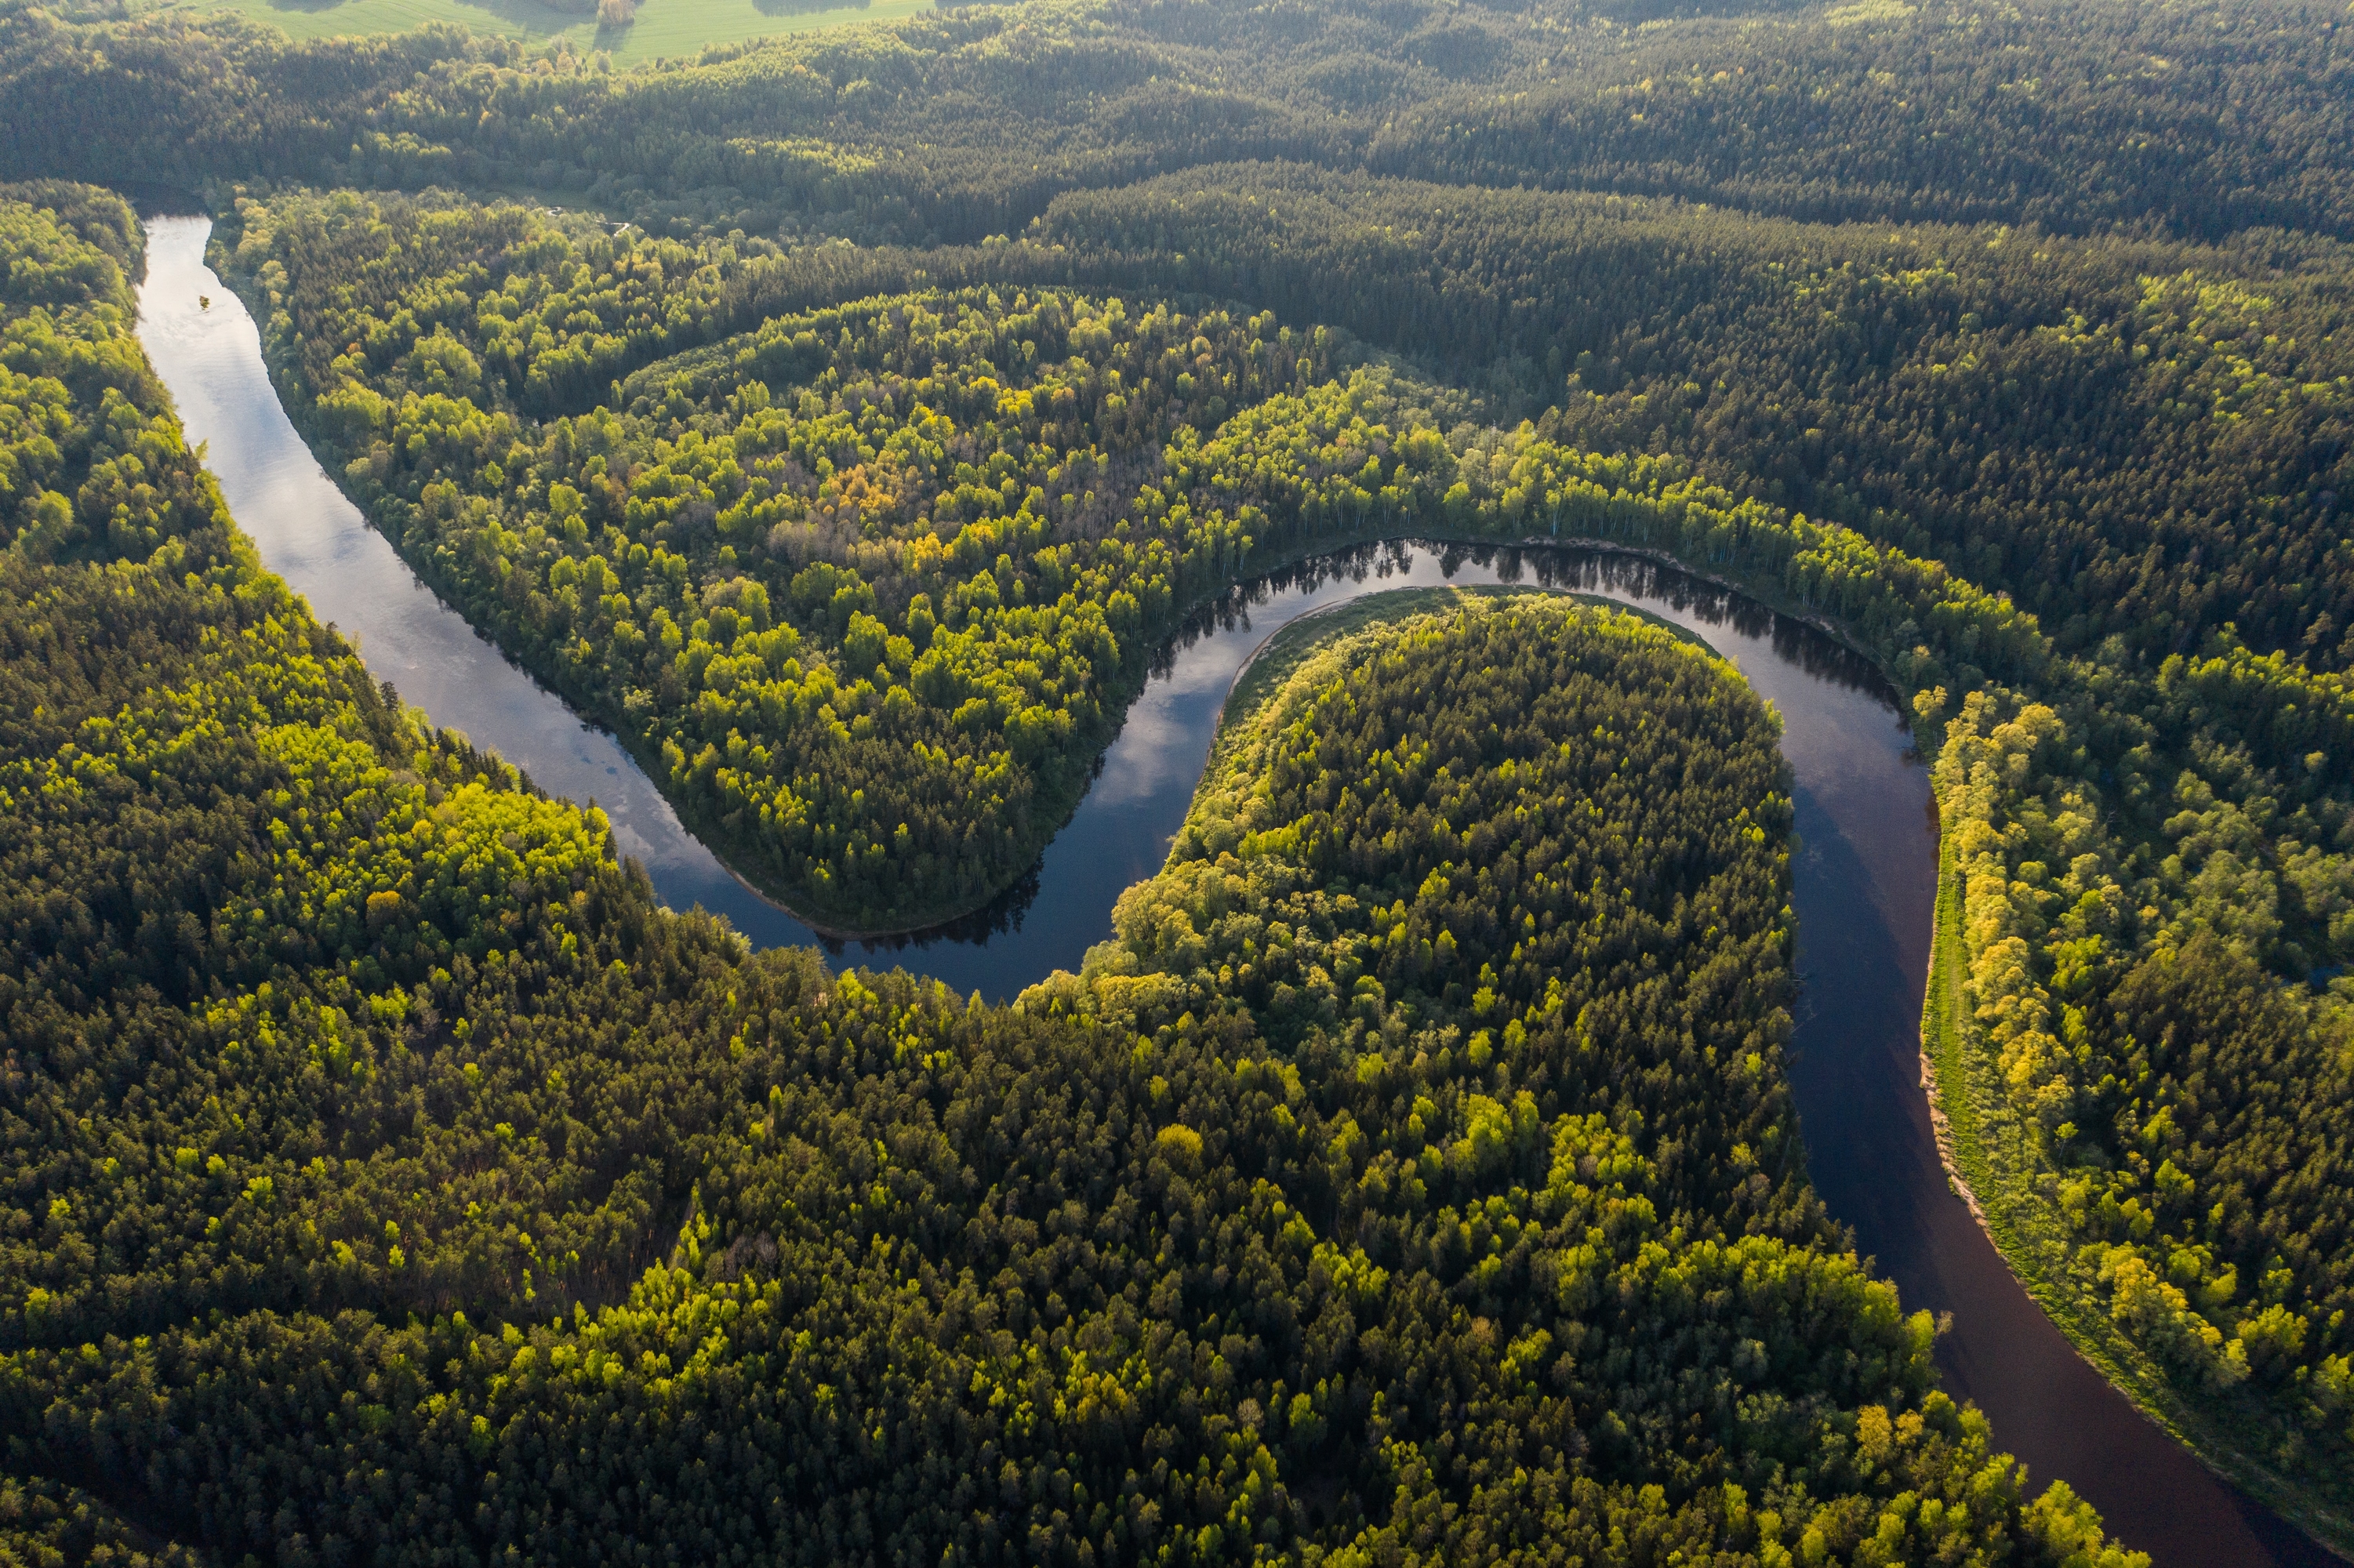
column 1865, row 878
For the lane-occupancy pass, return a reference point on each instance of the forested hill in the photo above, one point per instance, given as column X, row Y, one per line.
column 388, row 1180
column 2073, row 115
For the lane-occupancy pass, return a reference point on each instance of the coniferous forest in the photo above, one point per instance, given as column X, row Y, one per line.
column 416, row 1187
column 846, row 420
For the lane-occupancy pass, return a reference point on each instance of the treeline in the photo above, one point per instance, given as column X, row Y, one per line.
column 2142, row 444
column 2132, row 439
column 870, row 584
column 954, row 126
column 2080, row 495
column 388, row 1180
column 238, row 879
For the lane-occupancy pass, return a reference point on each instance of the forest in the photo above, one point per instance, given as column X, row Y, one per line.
column 884, row 639
column 2199, row 120
column 889, row 394
column 390, row 1179
column 852, row 582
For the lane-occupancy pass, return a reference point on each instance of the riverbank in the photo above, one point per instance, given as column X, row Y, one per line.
column 1988, row 1155
column 1273, row 661
column 1956, row 1120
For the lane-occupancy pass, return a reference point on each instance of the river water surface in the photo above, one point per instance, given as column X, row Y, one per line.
column 1864, row 887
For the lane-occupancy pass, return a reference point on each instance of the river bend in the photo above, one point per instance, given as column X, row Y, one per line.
column 1864, row 886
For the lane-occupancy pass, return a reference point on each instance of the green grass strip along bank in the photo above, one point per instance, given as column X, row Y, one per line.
column 1990, row 1152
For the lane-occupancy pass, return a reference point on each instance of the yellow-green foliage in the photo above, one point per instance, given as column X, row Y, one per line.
column 871, row 583
column 1515, row 838
column 2135, row 799
column 523, row 1240
column 386, row 1176
column 860, row 580
column 256, row 914
column 2048, row 317
column 45, row 1522
column 2179, row 1102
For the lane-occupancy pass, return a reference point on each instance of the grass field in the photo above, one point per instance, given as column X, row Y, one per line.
column 663, row 27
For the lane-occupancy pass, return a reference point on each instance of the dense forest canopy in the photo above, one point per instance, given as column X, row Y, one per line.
column 2194, row 118
column 892, row 392
column 2129, row 435
column 2132, row 436
column 869, row 584
column 389, row 1179
column 2169, row 791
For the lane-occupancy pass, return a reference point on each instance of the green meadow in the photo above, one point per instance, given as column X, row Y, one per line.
column 663, row 28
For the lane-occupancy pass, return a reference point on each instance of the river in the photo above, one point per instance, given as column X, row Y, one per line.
column 1864, row 883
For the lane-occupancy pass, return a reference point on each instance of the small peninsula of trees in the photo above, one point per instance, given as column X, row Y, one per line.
column 868, row 586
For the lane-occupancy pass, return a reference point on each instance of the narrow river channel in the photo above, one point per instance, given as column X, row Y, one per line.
column 1865, row 877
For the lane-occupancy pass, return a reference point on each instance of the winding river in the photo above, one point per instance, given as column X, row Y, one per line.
column 1864, row 892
